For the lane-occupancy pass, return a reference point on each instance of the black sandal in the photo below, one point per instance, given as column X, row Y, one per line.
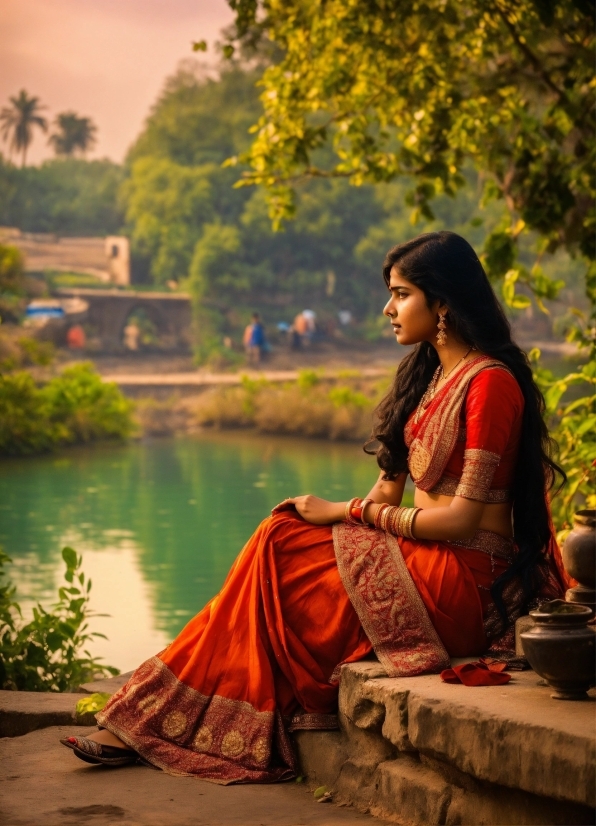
column 92, row 752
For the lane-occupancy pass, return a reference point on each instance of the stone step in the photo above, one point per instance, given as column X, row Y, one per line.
column 423, row 751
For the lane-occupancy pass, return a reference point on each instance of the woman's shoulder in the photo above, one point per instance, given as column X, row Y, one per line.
column 496, row 384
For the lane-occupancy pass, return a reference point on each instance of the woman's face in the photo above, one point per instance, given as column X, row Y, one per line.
column 411, row 317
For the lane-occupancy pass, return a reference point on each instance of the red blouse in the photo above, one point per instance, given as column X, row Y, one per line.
column 482, row 464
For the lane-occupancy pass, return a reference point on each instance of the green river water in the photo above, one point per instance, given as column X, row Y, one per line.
column 158, row 522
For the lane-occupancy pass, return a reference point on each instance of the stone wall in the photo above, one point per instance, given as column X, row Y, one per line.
column 419, row 751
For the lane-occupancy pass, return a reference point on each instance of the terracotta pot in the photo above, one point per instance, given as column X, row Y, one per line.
column 561, row 648
column 579, row 558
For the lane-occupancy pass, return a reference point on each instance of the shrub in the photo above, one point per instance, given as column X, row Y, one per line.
column 48, row 654
column 76, row 406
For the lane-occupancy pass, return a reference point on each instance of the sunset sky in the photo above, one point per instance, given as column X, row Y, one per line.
column 106, row 59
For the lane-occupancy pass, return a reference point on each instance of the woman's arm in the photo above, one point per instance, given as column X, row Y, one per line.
column 322, row 512
column 459, row 520
column 386, row 491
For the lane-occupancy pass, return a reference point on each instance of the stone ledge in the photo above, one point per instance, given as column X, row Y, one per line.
column 25, row 711
column 422, row 751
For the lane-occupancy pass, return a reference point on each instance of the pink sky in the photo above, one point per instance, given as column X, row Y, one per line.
column 106, row 59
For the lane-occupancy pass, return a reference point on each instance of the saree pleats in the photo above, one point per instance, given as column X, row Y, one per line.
column 262, row 657
column 218, row 701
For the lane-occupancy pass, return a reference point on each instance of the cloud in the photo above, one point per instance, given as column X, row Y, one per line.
column 106, row 59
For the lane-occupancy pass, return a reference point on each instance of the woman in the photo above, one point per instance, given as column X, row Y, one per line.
column 324, row 583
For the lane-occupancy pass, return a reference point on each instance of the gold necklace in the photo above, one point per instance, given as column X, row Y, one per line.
column 465, row 356
column 431, row 390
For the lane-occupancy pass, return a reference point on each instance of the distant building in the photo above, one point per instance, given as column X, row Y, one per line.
column 107, row 259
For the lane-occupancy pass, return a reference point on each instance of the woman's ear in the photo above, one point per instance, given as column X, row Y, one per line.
column 438, row 307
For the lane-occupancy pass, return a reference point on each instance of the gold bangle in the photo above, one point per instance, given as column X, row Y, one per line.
column 365, row 502
column 379, row 515
column 347, row 512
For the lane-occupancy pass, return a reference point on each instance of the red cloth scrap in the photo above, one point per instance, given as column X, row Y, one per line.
column 485, row 671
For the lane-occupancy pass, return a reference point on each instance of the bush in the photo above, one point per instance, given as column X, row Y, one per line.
column 307, row 407
column 76, row 406
column 47, row 653
column 17, row 350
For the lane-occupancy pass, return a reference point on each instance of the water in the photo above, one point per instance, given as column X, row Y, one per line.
column 158, row 523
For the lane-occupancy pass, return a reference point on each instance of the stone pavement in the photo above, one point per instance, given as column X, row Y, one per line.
column 412, row 750
column 42, row 784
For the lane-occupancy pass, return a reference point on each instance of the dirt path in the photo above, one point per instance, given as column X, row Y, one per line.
column 41, row 783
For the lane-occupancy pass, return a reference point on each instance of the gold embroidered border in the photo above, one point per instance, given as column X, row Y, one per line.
column 448, row 485
column 313, row 722
column 184, row 732
column 437, row 432
column 387, row 602
column 477, row 474
column 489, row 543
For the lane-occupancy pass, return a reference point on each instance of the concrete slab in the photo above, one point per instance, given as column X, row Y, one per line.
column 41, row 783
column 25, row 711
column 110, row 685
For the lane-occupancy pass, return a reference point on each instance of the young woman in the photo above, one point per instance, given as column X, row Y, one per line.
column 324, row 583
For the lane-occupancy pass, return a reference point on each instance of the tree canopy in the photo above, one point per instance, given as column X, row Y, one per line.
column 18, row 121
column 67, row 196
column 73, row 134
column 424, row 87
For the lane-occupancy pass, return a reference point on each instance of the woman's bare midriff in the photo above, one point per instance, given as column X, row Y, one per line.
column 495, row 517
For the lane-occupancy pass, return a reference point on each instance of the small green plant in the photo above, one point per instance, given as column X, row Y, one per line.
column 308, row 379
column 572, row 424
column 49, row 653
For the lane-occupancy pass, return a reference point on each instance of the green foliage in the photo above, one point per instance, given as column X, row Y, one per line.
column 93, row 703
column 12, row 287
column 67, row 196
column 76, row 406
column 572, row 419
column 421, row 88
column 17, row 351
column 48, row 653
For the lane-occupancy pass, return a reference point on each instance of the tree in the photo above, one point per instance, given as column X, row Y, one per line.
column 428, row 89
column 68, row 196
column 423, row 87
column 18, row 121
column 74, row 134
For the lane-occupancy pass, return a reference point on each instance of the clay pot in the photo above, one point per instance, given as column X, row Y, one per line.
column 561, row 648
column 579, row 558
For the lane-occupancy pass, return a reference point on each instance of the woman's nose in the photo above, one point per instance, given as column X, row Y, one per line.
column 388, row 309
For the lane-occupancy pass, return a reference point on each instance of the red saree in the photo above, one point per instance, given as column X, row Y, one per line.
column 262, row 658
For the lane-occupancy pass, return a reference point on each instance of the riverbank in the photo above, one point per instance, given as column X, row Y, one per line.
column 313, row 404
column 409, row 751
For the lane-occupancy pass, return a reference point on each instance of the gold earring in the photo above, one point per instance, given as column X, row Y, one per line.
column 442, row 326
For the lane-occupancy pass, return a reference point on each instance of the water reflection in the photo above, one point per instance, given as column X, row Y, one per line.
column 158, row 523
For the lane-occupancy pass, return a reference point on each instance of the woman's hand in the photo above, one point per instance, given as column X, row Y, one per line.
column 314, row 510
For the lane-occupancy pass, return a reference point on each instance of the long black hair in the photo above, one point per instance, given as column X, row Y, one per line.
column 446, row 268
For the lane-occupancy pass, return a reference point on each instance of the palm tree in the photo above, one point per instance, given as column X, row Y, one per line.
column 18, row 121
column 74, row 133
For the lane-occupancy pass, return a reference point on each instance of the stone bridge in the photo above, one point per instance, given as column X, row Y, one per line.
column 109, row 310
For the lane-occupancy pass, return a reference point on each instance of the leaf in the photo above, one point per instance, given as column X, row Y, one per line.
column 94, row 703
column 70, row 557
column 199, row 46
column 320, row 792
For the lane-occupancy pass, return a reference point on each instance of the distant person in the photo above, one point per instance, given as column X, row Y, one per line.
column 255, row 341
column 300, row 331
column 132, row 334
column 75, row 338
column 322, row 583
